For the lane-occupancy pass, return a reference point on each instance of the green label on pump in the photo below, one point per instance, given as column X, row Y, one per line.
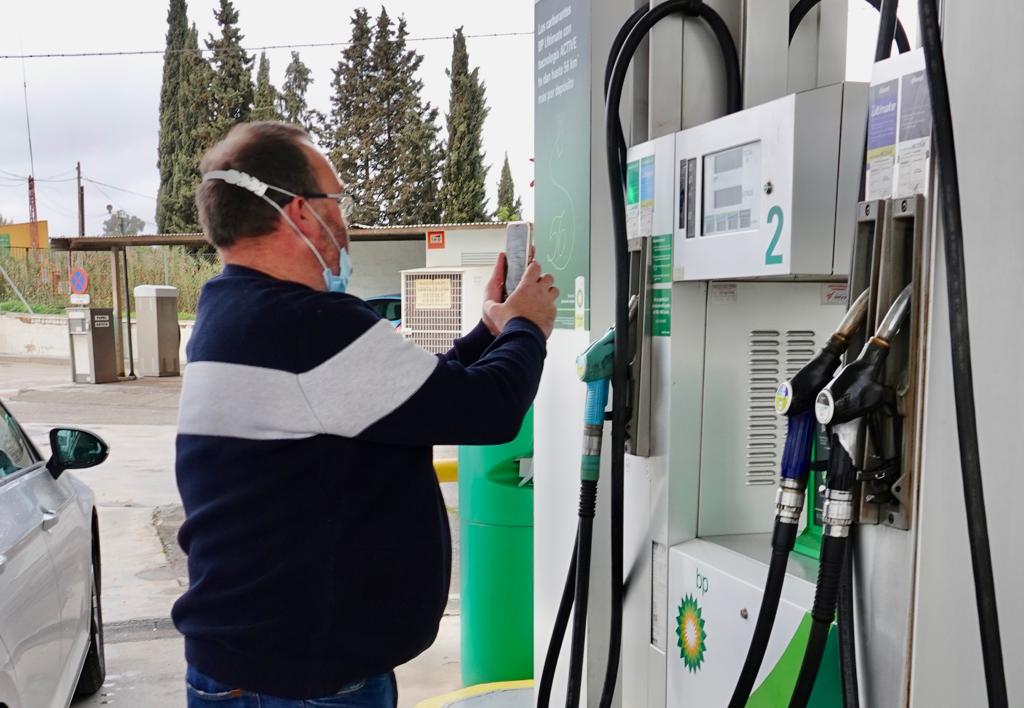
column 633, row 183
column 661, row 258
column 661, row 312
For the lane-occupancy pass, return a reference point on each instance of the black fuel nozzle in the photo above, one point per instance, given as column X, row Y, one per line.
column 798, row 395
column 857, row 389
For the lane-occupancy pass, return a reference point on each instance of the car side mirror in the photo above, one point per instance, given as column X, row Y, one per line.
column 73, row 449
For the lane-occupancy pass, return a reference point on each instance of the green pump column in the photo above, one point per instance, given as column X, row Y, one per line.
column 496, row 556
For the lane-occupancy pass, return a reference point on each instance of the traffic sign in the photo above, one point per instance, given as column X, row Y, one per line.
column 79, row 281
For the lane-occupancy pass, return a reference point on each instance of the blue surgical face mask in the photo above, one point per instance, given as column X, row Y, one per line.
column 334, row 283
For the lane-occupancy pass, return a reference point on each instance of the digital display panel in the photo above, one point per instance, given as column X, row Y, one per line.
column 732, row 189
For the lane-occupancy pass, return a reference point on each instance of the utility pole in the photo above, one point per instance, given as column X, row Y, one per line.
column 81, row 200
column 33, row 215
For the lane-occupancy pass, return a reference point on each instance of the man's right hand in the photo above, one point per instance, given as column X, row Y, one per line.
column 534, row 298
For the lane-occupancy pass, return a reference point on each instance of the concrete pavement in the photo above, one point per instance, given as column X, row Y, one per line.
column 139, row 510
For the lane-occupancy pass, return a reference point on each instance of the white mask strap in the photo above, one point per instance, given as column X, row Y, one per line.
column 259, row 188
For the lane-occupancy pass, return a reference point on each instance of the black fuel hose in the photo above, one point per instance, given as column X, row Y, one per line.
column 800, row 10
column 783, row 540
column 841, row 478
column 613, row 133
column 620, row 39
column 960, row 341
column 588, row 503
column 547, row 676
column 888, row 26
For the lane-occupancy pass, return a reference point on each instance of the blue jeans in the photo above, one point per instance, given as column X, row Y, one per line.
column 379, row 691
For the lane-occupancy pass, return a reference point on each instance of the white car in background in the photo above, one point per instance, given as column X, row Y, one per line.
column 51, row 623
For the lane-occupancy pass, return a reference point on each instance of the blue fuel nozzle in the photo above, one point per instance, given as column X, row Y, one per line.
column 796, row 455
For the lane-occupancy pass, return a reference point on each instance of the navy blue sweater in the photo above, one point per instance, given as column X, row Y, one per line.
column 317, row 539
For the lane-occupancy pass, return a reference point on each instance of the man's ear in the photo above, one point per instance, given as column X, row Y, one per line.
column 299, row 214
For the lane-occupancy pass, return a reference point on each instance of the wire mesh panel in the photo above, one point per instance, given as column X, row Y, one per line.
column 764, row 429
column 432, row 311
column 774, row 358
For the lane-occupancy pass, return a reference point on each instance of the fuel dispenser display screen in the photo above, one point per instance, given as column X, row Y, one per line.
column 732, row 189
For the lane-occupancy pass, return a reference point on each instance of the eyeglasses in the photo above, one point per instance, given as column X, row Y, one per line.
column 345, row 202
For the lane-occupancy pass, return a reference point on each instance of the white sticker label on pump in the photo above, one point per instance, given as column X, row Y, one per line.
column 723, row 294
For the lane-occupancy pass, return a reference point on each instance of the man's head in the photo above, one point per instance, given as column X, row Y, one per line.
column 305, row 216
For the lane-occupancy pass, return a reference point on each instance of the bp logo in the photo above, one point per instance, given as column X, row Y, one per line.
column 690, row 630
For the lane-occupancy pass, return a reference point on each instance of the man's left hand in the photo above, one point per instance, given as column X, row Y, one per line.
column 495, row 291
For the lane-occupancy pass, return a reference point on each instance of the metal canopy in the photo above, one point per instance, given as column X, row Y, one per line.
column 415, row 232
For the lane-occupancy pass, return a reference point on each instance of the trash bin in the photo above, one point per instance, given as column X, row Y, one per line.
column 158, row 335
column 93, row 351
column 496, row 556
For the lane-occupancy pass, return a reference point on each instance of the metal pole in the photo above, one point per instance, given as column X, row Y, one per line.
column 16, row 291
column 118, row 303
column 128, row 313
column 81, row 200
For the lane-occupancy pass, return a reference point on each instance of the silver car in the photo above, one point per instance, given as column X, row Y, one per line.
column 51, row 624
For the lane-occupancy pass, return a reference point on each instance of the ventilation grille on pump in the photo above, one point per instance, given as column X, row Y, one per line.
column 432, row 311
column 479, row 258
column 774, row 358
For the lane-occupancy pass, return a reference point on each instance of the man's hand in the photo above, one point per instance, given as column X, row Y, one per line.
column 534, row 298
column 494, row 291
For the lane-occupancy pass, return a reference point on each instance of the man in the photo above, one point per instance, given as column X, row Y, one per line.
column 317, row 538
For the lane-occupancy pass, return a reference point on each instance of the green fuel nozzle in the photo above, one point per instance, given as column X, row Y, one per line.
column 595, row 367
column 598, row 361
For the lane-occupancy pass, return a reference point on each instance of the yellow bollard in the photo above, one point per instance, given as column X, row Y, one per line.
column 447, row 470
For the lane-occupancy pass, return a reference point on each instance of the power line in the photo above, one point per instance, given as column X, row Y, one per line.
column 99, row 184
column 253, row 50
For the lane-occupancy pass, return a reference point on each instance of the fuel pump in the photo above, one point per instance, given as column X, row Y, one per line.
column 845, row 404
column 755, row 224
column 795, row 399
column 625, row 45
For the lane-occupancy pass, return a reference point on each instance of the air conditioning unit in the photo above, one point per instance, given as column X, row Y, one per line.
column 441, row 304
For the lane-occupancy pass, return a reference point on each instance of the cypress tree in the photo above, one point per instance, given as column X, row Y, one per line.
column 383, row 138
column 170, row 127
column 390, row 104
column 463, row 194
column 348, row 136
column 231, row 91
column 418, row 200
column 265, row 98
column 510, row 207
column 293, row 106
column 420, row 153
column 194, row 116
column 407, row 150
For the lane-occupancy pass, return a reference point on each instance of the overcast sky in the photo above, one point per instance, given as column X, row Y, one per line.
column 103, row 111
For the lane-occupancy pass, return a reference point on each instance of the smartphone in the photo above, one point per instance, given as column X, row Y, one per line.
column 518, row 239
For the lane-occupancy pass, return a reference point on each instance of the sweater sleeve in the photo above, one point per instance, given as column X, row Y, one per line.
column 467, row 350
column 384, row 389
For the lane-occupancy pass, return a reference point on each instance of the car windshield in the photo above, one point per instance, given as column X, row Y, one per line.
column 14, row 451
column 389, row 309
